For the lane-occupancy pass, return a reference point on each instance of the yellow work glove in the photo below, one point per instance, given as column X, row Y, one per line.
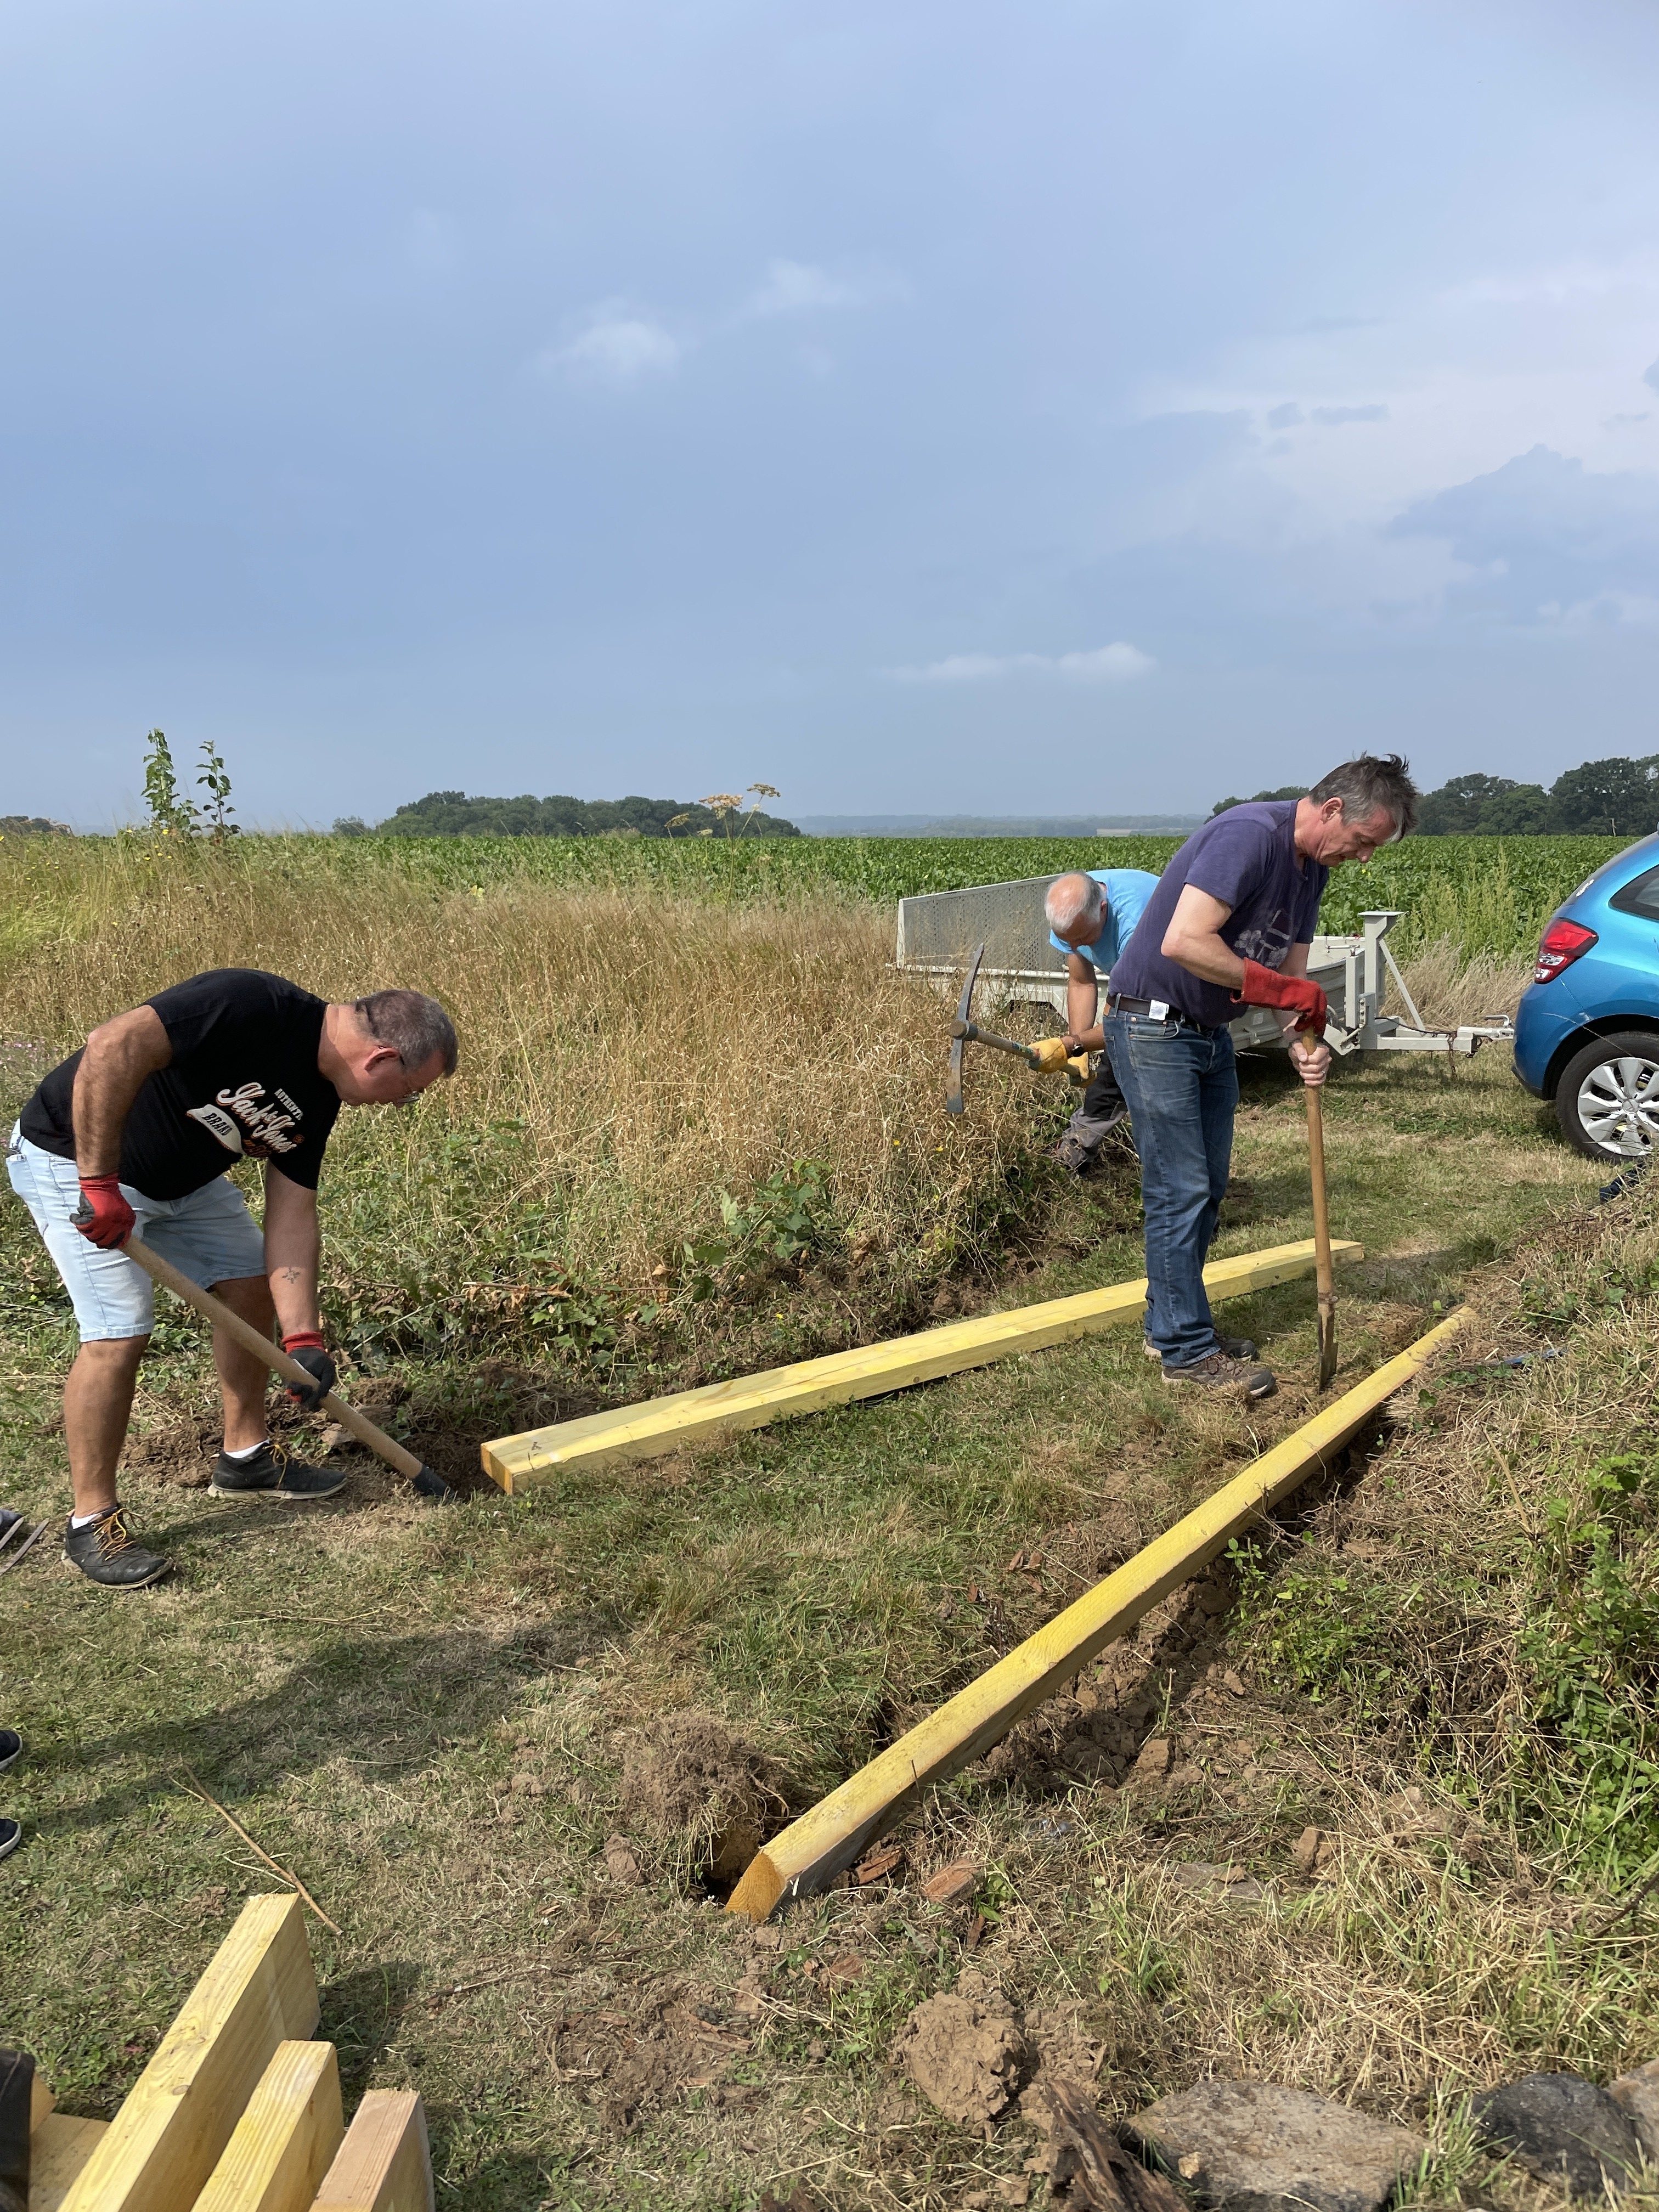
column 1051, row 1054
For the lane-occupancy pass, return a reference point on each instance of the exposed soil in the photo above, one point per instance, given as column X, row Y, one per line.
column 966, row 2055
column 693, row 1785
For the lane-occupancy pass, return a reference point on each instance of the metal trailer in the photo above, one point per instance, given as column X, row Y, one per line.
column 938, row 932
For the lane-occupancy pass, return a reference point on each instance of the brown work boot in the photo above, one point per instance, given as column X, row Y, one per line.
column 1219, row 1372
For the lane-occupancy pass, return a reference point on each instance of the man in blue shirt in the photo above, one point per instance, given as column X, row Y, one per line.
column 1230, row 924
column 1092, row 917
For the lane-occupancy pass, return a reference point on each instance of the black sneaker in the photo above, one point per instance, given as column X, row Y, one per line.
column 272, row 1473
column 1234, row 1348
column 1219, row 1372
column 11, row 1834
column 11, row 1748
column 107, row 1551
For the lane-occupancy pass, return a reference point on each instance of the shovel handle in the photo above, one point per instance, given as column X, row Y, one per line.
column 216, row 1311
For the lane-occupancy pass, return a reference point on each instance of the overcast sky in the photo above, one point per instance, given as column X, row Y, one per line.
column 959, row 407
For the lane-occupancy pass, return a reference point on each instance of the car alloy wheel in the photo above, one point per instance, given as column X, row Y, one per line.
column 1618, row 1105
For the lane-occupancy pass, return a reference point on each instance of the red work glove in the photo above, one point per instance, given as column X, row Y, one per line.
column 103, row 1217
column 1265, row 986
column 307, row 1348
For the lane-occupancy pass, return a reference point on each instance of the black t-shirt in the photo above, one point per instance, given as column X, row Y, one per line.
column 243, row 1083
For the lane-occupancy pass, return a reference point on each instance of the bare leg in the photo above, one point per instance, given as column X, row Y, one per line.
column 244, row 1379
column 97, row 1405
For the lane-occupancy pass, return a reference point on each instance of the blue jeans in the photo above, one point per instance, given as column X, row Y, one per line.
column 1181, row 1085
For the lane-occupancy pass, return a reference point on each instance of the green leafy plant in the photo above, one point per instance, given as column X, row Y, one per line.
column 787, row 1218
column 216, row 811
column 170, row 814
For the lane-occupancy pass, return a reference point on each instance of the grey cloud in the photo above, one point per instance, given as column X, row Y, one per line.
column 1549, row 535
column 1331, row 416
column 1286, row 418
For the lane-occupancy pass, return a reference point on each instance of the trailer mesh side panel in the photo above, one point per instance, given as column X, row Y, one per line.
column 940, row 929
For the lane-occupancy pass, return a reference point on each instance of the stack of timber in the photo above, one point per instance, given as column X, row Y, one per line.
column 665, row 1425
column 239, row 2109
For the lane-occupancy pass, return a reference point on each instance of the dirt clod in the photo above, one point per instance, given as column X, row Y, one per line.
column 620, row 1863
column 968, row 2058
column 698, row 1786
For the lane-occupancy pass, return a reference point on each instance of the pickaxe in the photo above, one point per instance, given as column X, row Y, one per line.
column 1046, row 1057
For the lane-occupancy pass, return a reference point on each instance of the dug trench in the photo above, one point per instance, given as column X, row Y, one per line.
column 507, row 1746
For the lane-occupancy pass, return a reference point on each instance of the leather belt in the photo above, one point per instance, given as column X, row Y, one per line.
column 1158, row 1008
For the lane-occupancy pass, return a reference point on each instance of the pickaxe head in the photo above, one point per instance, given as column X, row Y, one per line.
column 964, row 1006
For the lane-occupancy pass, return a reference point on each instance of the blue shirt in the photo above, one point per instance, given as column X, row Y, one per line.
column 1245, row 857
column 1127, row 891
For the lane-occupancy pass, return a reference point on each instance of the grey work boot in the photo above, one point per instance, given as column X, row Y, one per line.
column 107, row 1551
column 1220, row 1372
column 272, row 1473
column 1236, row 1347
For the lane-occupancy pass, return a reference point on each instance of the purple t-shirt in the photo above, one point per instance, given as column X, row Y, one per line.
column 1245, row 857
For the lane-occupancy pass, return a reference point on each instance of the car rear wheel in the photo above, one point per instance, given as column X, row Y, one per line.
column 1608, row 1099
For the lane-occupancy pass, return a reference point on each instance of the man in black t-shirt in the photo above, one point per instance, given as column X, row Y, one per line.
column 135, row 1131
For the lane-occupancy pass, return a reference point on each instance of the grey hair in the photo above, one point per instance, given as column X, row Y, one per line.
column 414, row 1025
column 1374, row 781
column 1066, row 905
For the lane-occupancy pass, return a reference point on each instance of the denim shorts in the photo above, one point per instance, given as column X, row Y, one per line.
column 209, row 1236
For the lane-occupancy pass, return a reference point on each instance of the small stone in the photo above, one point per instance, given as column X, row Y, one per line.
column 1258, row 2146
column 1636, row 2095
column 1562, row 2128
column 620, row 1863
column 1231, row 1682
column 1305, row 1849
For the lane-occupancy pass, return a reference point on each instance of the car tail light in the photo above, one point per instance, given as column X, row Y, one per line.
column 1560, row 945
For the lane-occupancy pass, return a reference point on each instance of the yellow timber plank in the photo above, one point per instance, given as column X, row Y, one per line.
column 42, row 2098
column 59, row 2147
column 814, row 1850
column 385, row 2164
column 286, row 2139
column 749, row 1401
column 258, row 1991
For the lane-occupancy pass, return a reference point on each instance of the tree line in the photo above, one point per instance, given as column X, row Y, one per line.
column 453, row 814
column 1616, row 798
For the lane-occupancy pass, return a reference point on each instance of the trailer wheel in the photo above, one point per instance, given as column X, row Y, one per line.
column 1608, row 1098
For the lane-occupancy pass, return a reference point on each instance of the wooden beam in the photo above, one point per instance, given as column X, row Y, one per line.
column 286, row 2139
column 809, row 1855
column 59, row 2147
column 385, row 2164
column 663, row 1425
column 258, row 1991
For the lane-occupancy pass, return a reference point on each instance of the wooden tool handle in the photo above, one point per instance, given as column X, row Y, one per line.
column 1324, row 1276
column 216, row 1311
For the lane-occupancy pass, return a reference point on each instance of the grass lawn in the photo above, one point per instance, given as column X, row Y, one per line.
column 426, row 1715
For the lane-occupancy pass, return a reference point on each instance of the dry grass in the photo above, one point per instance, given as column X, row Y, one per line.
column 625, row 1059
column 1449, row 987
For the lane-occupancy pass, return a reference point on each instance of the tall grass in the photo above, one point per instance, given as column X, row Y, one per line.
column 628, row 1058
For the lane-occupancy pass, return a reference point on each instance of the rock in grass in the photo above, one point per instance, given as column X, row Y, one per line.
column 1253, row 2146
column 1562, row 2128
column 1636, row 2095
column 969, row 2059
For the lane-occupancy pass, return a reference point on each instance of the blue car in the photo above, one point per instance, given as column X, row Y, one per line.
column 1587, row 1034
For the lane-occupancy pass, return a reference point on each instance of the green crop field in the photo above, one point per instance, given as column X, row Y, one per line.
column 1485, row 895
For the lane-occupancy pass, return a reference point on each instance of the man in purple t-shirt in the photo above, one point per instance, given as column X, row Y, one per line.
column 1230, row 925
